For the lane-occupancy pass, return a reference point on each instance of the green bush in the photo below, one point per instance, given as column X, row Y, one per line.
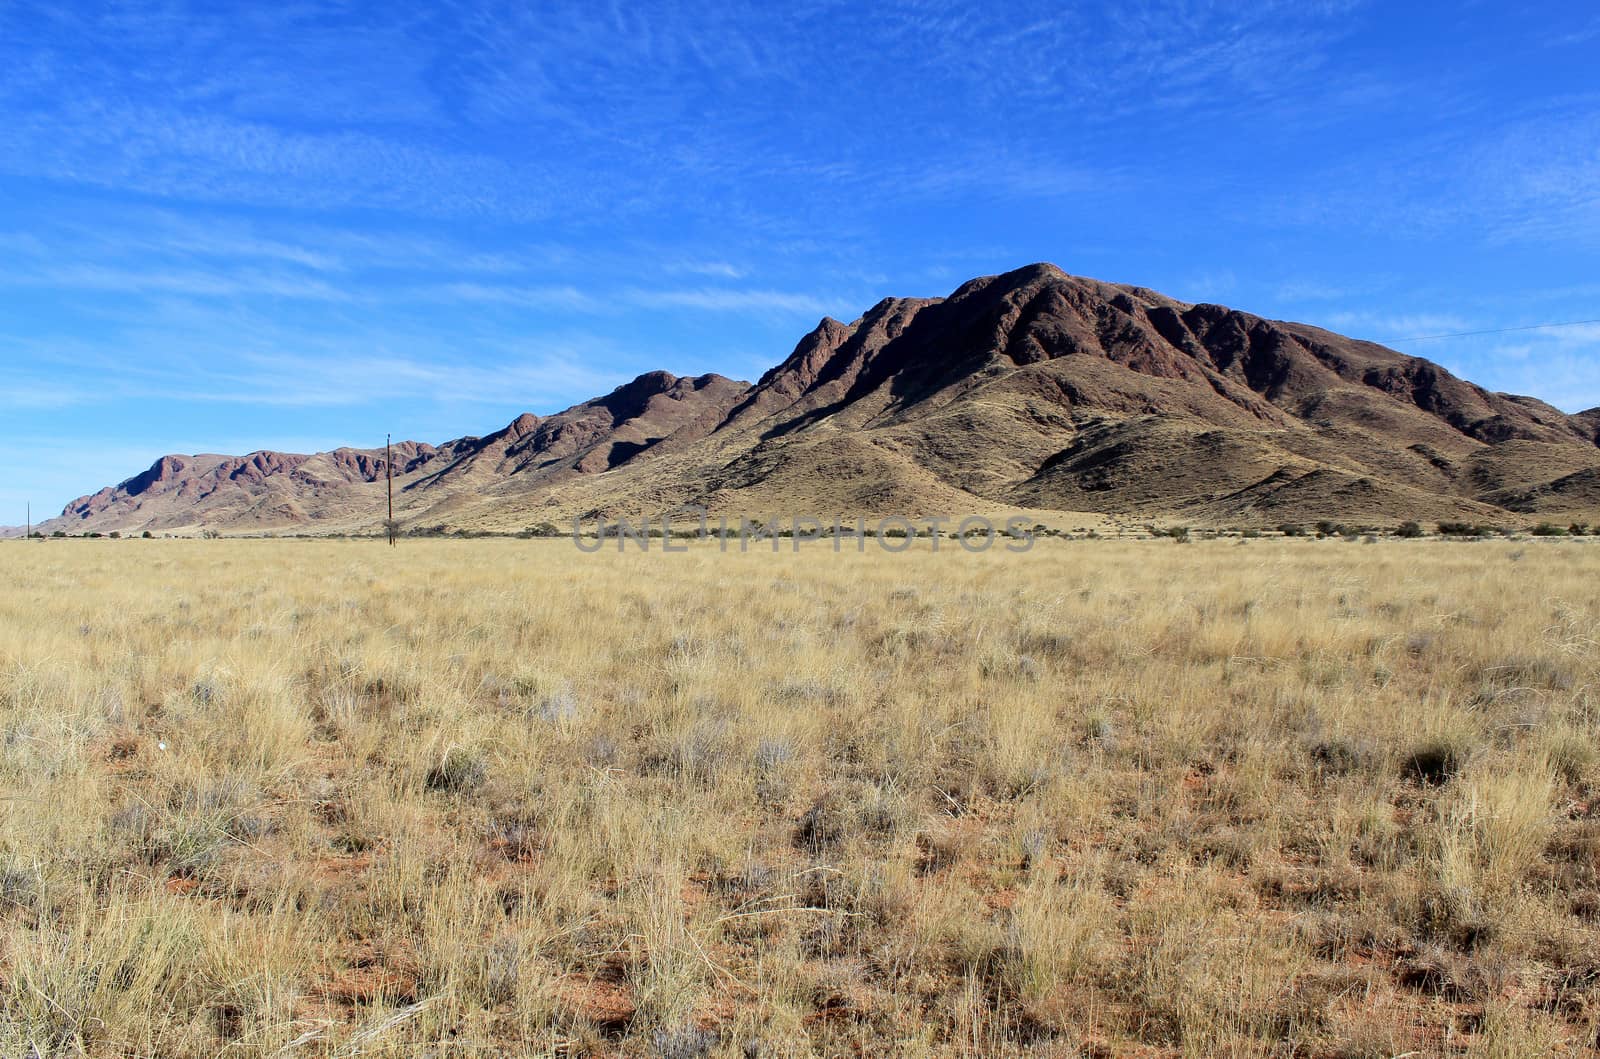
column 1464, row 529
column 1408, row 529
column 543, row 530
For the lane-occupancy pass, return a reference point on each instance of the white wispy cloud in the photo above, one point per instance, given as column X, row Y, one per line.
column 1307, row 290
column 211, row 158
column 565, row 298
column 37, row 394
column 717, row 299
column 196, row 284
column 540, row 377
column 1491, row 180
column 1583, row 33
column 1566, row 376
column 429, row 114
column 605, row 301
column 1396, row 325
column 716, row 269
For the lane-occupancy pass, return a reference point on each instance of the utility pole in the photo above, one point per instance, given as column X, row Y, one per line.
column 28, row 534
column 388, row 469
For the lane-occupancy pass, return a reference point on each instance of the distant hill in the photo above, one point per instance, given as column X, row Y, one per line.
column 1033, row 389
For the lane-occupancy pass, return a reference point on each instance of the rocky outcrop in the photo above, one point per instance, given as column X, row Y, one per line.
column 1031, row 388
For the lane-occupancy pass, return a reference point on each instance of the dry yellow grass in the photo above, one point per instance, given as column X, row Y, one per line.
column 1269, row 798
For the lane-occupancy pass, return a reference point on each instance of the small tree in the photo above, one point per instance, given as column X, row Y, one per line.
column 1408, row 529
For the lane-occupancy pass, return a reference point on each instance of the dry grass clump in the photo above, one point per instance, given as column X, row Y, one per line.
column 499, row 797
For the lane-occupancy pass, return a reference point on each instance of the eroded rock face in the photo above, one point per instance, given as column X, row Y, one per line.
column 1033, row 388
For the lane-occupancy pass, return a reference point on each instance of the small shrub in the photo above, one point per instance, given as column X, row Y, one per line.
column 1547, row 529
column 1463, row 529
column 462, row 769
column 1572, row 754
column 686, row 1042
column 542, row 530
column 21, row 886
column 558, row 707
column 1434, row 762
column 1339, row 755
column 498, row 972
column 1408, row 529
column 821, row 828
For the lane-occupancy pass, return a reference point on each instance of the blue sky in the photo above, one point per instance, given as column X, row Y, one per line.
column 301, row 225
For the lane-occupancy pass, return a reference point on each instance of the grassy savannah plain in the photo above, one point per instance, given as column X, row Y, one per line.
column 1104, row 798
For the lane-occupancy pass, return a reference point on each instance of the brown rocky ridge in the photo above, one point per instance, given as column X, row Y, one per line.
column 1033, row 390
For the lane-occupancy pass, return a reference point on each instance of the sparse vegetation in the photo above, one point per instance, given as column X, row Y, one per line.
column 501, row 797
column 543, row 530
column 1465, row 529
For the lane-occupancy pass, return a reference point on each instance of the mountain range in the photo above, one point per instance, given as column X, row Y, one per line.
column 1033, row 390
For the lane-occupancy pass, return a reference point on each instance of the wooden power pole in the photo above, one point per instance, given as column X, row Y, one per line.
column 388, row 468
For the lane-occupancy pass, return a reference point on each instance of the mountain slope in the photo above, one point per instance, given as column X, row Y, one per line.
column 1034, row 389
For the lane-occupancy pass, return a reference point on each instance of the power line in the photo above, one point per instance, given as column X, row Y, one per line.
column 1495, row 331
